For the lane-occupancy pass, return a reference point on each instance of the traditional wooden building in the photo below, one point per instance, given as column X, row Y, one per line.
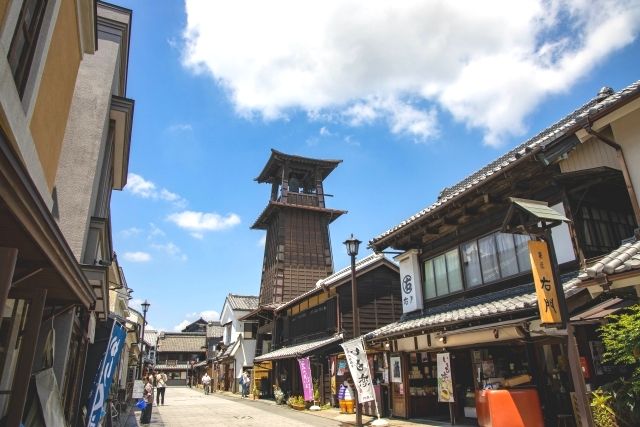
column 467, row 280
column 177, row 352
column 297, row 246
column 315, row 323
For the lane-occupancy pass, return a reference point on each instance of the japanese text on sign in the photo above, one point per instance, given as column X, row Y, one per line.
column 307, row 380
column 445, row 382
column 359, row 367
column 546, row 290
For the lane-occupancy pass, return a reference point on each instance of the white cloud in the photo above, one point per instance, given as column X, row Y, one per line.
column 489, row 64
column 130, row 232
column 155, row 231
column 262, row 241
column 171, row 249
column 208, row 315
column 137, row 256
column 141, row 187
column 180, row 127
column 180, row 326
column 199, row 222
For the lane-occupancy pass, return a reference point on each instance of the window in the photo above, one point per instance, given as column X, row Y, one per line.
column 603, row 230
column 250, row 330
column 25, row 39
column 443, row 274
column 485, row 260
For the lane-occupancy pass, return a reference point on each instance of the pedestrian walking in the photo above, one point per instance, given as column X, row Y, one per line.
column 244, row 382
column 147, row 396
column 161, row 387
column 206, row 382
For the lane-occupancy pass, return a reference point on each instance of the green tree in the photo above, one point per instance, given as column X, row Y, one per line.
column 621, row 339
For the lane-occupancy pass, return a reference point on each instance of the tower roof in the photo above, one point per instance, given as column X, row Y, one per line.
column 263, row 220
column 272, row 169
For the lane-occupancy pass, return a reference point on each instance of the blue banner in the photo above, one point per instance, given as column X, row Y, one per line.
column 104, row 376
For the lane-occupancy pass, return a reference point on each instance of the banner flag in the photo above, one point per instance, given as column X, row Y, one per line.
column 445, row 383
column 104, row 376
column 359, row 367
column 307, row 380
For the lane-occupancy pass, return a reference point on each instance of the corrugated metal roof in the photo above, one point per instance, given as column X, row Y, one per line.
column 503, row 302
column 242, row 302
column 182, row 342
column 520, row 153
column 298, row 350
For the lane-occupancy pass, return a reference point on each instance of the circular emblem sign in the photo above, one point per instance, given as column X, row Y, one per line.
column 407, row 287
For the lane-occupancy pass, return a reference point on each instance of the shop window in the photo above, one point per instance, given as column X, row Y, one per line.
column 25, row 39
column 443, row 274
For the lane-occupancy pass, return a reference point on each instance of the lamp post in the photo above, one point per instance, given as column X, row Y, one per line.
column 352, row 245
column 145, row 308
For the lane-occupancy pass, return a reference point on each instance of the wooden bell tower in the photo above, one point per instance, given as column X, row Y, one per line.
column 297, row 251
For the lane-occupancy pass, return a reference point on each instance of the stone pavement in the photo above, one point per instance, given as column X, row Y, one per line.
column 190, row 407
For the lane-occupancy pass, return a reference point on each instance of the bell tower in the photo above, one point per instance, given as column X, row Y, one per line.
column 297, row 251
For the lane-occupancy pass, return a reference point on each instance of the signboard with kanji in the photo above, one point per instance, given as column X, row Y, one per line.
column 356, row 356
column 546, row 287
column 410, row 284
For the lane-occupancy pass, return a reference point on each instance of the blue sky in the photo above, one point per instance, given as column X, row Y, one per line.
column 412, row 98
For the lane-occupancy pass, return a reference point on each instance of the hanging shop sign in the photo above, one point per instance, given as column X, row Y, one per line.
column 546, row 287
column 396, row 369
column 445, row 382
column 359, row 367
column 410, row 281
column 104, row 376
column 307, row 380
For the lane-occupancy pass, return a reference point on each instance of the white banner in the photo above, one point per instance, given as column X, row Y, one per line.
column 410, row 287
column 138, row 389
column 359, row 367
column 445, row 382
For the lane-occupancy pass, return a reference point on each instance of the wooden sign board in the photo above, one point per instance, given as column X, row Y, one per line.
column 546, row 287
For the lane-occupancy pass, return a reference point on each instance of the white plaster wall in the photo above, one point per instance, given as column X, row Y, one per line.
column 84, row 143
column 626, row 132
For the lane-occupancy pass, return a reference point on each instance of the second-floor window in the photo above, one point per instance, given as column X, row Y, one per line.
column 25, row 39
column 250, row 330
column 480, row 261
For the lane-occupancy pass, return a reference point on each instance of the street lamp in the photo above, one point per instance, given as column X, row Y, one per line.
column 145, row 307
column 352, row 245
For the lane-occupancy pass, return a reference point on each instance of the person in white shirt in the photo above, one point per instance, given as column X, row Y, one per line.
column 206, row 382
column 161, row 386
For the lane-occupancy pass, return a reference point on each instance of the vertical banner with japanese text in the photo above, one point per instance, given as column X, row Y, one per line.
column 445, row 382
column 359, row 367
column 307, row 380
column 546, row 287
column 410, row 283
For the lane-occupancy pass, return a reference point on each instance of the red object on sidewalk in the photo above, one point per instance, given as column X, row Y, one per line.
column 509, row 408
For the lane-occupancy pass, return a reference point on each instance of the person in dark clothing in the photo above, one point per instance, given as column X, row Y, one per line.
column 147, row 396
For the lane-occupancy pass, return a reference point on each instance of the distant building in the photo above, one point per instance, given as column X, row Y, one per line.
column 199, row 325
column 177, row 352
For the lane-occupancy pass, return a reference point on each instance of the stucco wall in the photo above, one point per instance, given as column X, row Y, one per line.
column 84, row 143
column 56, row 90
column 626, row 132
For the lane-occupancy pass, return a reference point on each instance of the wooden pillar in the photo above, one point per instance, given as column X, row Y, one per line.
column 8, row 258
column 583, row 410
column 27, row 355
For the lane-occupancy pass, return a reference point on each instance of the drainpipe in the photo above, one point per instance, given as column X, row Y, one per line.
column 623, row 165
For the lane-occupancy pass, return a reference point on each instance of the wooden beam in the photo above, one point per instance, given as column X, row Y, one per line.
column 27, row 355
column 8, row 257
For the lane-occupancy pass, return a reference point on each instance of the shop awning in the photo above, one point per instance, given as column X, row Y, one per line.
column 598, row 312
column 298, row 350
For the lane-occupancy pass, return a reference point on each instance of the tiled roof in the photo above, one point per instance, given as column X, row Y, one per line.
column 214, row 330
column 325, row 166
column 298, row 350
column 503, row 302
column 338, row 276
column 187, row 342
column 604, row 101
column 242, row 302
column 150, row 337
column 625, row 258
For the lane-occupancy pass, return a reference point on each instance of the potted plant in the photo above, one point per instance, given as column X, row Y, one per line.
column 256, row 391
column 278, row 394
column 316, row 397
column 297, row 403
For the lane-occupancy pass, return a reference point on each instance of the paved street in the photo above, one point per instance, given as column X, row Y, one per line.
column 190, row 408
